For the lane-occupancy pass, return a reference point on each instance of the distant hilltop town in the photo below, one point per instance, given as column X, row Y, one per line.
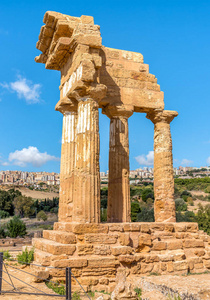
column 29, row 178
column 146, row 174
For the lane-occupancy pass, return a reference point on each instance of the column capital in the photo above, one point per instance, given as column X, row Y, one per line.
column 66, row 105
column 113, row 111
column 165, row 116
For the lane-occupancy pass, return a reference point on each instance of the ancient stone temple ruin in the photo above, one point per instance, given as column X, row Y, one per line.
column 119, row 82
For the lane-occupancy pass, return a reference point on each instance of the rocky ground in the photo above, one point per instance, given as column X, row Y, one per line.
column 164, row 287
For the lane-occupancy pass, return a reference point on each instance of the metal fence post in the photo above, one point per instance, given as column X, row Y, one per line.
column 67, row 287
column 1, row 267
column 68, row 283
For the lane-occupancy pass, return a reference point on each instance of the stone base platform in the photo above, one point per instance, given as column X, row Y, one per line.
column 96, row 251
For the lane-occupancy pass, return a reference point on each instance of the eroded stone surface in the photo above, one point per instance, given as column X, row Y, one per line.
column 118, row 81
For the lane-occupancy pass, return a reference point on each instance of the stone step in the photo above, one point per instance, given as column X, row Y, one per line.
column 59, row 236
column 53, row 247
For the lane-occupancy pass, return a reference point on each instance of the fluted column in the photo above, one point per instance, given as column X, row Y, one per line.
column 67, row 164
column 87, row 176
column 119, row 207
column 164, row 206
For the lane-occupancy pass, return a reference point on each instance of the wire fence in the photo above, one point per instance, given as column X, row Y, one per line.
column 5, row 271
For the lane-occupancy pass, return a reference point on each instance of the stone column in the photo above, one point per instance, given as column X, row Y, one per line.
column 164, row 205
column 67, row 164
column 87, row 181
column 119, row 207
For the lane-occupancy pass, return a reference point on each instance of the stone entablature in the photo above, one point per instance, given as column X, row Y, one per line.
column 96, row 251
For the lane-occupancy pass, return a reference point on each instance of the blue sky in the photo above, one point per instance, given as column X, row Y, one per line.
column 173, row 37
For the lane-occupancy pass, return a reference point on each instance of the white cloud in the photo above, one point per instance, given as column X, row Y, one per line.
column 5, row 163
column 25, row 89
column 208, row 160
column 30, row 155
column 4, row 85
column 186, row 162
column 146, row 160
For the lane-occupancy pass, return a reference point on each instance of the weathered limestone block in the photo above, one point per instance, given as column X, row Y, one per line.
column 127, row 259
column 116, row 227
column 131, row 227
column 71, row 262
column 180, row 227
column 42, row 274
column 87, row 228
column 164, row 206
column 124, row 239
column 145, row 240
column 157, row 226
column 85, row 249
column 102, row 250
column 42, row 258
column 146, row 268
column 193, row 243
column 101, row 239
column 174, row 244
column 121, row 250
column 53, row 247
column 59, row 236
column 145, row 228
column 123, row 289
column 158, row 246
column 181, row 266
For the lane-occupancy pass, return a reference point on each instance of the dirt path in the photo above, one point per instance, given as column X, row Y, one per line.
column 23, row 287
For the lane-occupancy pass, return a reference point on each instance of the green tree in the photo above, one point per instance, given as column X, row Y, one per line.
column 135, row 209
column 6, row 201
column 146, row 215
column 4, row 214
column 24, row 206
column 16, row 227
column 2, row 233
column 187, row 216
column 203, row 218
column 147, row 193
column 180, row 205
column 42, row 216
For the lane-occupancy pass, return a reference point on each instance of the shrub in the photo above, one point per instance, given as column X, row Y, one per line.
column 147, row 193
column 135, row 209
column 180, row 204
column 188, row 216
column 138, row 292
column 56, row 287
column 4, row 214
column 103, row 214
column 76, row 296
column 6, row 255
column 146, row 215
column 26, row 257
column 203, row 218
column 190, row 201
column 24, row 206
column 16, row 227
column 54, row 210
column 2, row 233
column 42, row 216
